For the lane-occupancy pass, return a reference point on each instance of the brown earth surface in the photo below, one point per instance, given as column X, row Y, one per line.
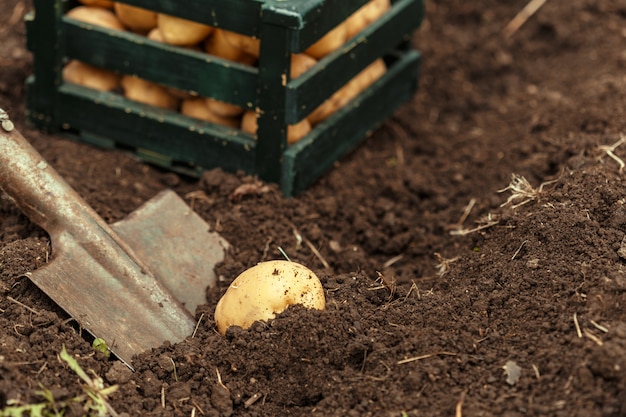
column 500, row 308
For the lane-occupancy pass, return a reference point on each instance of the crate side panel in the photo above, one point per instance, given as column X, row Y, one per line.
column 164, row 132
column 307, row 160
column 187, row 70
column 304, row 93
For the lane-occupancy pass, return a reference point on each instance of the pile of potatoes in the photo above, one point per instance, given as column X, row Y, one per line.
column 224, row 44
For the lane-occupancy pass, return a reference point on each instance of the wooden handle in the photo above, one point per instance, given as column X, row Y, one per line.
column 39, row 191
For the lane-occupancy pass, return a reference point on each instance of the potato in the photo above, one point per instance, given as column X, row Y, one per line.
column 265, row 290
column 197, row 108
column 301, row 63
column 219, row 46
column 329, row 42
column 136, row 18
column 96, row 16
column 181, row 32
column 365, row 16
column 248, row 44
column 89, row 76
column 349, row 91
column 295, row 132
column 155, row 35
column 107, row 4
column 222, row 108
column 147, row 92
column 370, row 74
column 298, row 131
column 180, row 94
column 249, row 122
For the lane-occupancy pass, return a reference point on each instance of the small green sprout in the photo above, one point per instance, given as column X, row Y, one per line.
column 32, row 410
column 101, row 346
column 93, row 399
column 95, row 391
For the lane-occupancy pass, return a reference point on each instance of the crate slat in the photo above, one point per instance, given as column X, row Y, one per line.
column 135, row 125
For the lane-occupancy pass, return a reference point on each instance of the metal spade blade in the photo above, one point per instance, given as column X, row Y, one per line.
column 135, row 283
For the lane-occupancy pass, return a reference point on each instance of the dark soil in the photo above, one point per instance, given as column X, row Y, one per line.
column 482, row 287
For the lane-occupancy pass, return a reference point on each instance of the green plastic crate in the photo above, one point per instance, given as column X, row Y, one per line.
column 187, row 145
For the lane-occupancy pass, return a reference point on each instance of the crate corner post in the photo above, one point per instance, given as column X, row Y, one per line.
column 45, row 43
column 274, row 64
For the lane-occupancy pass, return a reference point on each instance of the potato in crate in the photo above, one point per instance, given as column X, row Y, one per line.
column 277, row 88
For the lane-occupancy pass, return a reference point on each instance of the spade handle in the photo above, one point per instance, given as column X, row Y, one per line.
column 37, row 189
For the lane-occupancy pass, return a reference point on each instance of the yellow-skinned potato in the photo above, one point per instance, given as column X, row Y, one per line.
column 96, row 16
column 222, row 108
column 181, row 32
column 295, row 132
column 371, row 73
column 136, row 18
column 249, row 122
column 197, row 107
column 329, row 42
column 155, row 35
column 301, row 63
column 77, row 72
column 147, row 92
column 365, row 16
column 248, row 44
column 218, row 45
column 265, row 290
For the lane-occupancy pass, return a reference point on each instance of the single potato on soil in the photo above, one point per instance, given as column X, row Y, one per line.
column 265, row 290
